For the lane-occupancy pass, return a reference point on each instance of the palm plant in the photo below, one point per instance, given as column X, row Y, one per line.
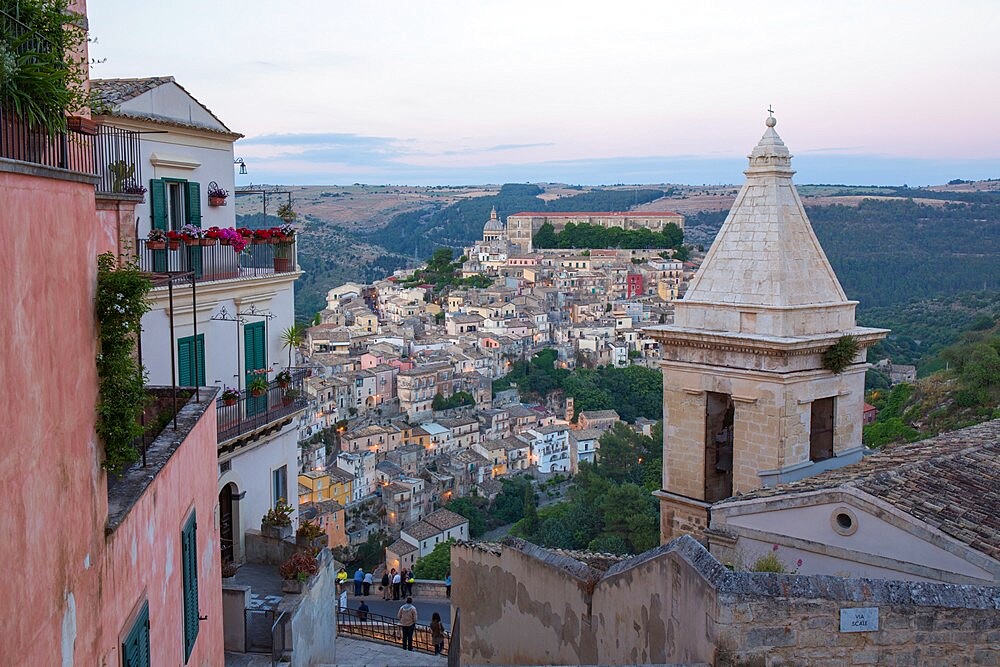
column 291, row 338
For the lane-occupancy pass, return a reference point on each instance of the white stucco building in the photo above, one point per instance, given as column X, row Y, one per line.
column 225, row 330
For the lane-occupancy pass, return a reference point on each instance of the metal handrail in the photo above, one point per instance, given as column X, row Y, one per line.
column 386, row 629
column 249, row 413
column 211, row 260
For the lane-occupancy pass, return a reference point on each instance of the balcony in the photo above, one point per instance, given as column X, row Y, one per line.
column 249, row 415
column 217, row 261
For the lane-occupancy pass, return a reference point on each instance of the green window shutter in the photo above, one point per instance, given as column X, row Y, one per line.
column 255, row 348
column 189, row 564
column 193, row 204
column 135, row 648
column 186, row 361
column 158, row 203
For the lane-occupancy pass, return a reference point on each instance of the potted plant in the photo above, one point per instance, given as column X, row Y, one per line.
column 284, row 378
column 261, row 236
column 174, row 239
column 286, row 213
column 230, row 396
column 211, row 236
column 229, row 570
column 277, row 522
column 295, row 572
column 135, row 189
column 216, row 195
column 289, row 396
column 257, row 387
column 121, row 173
column 157, row 239
column 310, row 534
column 192, row 234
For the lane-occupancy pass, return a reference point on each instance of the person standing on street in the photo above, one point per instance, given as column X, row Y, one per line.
column 409, row 582
column 366, row 587
column 407, row 616
column 437, row 633
column 359, row 577
column 395, row 584
column 447, row 584
column 362, row 612
column 386, row 581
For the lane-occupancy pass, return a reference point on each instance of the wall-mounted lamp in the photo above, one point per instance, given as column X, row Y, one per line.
column 243, row 166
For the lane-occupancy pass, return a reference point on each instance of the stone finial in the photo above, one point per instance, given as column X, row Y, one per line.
column 771, row 121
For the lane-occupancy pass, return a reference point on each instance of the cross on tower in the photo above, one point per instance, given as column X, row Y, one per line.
column 770, row 111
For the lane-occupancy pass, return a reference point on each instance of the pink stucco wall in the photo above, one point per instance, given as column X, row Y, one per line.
column 67, row 588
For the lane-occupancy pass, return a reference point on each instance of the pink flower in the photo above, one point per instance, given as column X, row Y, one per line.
column 798, row 563
column 774, row 547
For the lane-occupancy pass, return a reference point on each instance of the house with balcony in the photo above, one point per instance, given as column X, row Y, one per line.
column 550, row 448
column 97, row 591
column 361, row 467
column 219, row 312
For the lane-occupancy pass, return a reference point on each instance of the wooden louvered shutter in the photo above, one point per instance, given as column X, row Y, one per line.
column 158, row 203
column 193, row 203
column 135, row 648
column 189, row 563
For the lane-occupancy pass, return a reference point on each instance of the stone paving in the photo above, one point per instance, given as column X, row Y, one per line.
column 357, row 653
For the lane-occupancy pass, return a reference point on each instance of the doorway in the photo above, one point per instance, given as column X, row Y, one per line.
column 227, row 532
column 821, row 429
column 720, row 413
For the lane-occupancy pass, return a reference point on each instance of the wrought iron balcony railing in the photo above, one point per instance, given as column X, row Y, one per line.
column 386, row 629
column 71, row 150
column 249, row 413
column 216, row 261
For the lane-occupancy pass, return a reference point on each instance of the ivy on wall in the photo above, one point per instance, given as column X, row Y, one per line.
column 121, row 301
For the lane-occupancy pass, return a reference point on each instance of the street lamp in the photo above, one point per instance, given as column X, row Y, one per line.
column 243, row 166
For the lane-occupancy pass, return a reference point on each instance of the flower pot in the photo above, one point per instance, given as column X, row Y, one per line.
column 283, row 384
column 257, row 241
column 174, row 245
column 156, row 245
column 216, row 201
column 229, row 401
column 208, row 242
column 292, row 586
column 274, row 241
column 224, row 241
column 257, row 393
column 190, row 241
column 277, row 532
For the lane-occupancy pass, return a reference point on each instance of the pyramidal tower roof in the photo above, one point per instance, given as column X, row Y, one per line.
column 766, row 256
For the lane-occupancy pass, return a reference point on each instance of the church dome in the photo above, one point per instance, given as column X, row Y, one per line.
column 493, row 224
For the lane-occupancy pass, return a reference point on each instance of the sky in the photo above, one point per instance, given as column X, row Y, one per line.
column 469, row 92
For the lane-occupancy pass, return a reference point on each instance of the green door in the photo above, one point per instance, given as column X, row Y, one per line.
column 158, row 213
column 192, row 210
column 255, row 350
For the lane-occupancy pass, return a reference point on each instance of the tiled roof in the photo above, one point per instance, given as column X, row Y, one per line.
column 599, row 414
column 112, row 92
column 421, row 530
column 445, row 519
column 951, row 482
column 401, row 547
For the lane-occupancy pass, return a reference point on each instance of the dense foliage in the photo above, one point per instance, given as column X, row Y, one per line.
column 514, row 500
column 435, row 565
column 921, row 329
column 610, row 506
column 456, row 400
column 368, row 556
column 441, row 272
column 120, row 304
column 965, row 392
column 586, row 235
column 416, row 233
column 41, row 78
column 634, row 391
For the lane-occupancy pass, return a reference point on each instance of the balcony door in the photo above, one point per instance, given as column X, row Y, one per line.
column 173, row 203
column 255, row 350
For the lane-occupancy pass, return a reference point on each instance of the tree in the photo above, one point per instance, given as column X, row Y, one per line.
column 291, row 338
column 467, row 507
column 530, row 519
column 546, row 236
column 435, row 565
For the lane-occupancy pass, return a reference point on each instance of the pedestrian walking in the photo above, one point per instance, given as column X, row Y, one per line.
column 437, row 633
column 362, row 612
column 409, row 582
column 407, row 616
column 395, row 584
column 367, row 585
column 359, row 578
column 447, row 584
column 386, row 581
column 402, row 583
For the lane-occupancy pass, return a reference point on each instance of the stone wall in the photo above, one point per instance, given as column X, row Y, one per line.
column 677, row 604
column 314, row 620
column 267, row 550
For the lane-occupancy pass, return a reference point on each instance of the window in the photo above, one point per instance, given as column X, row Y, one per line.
column 191, row 361
column 135, row 647
column 189, row 563
column 279, row 485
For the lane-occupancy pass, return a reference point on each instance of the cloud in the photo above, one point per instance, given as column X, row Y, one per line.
column 317, row 138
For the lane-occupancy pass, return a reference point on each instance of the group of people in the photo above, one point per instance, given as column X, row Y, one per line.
column 397, row 585
column 407, row 617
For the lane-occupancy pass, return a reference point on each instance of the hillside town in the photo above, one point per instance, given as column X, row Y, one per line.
column 225, row 473
column 400, row 375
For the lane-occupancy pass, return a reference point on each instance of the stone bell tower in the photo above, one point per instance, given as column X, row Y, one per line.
column 746, row 400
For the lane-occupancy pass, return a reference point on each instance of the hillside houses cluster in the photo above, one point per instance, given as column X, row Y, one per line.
column 401, row 377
